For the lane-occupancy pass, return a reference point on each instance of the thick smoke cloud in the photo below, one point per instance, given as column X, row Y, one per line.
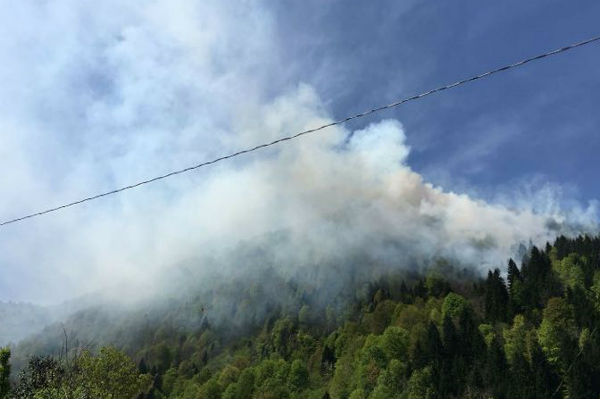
column 101, row 96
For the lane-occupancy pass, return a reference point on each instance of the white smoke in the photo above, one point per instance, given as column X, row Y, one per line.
column 99, row 97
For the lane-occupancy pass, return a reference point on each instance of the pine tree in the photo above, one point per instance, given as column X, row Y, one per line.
column 513, row 274
column 544, row 377
column 521, row 379
column 449, row 379
column 4, row 372
column 515, row 289
column 471, row 341
column 142, row 367
column 496, row 297
column 434, row 348
column 495, row 369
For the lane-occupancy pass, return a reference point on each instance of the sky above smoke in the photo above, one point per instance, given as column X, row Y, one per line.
column 100, row 95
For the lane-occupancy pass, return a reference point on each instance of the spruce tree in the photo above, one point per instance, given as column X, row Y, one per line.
column 495, row 369
column 450, row 380
column 545, row 379
column 513, row 274
column 4, row 372
column 496, row 297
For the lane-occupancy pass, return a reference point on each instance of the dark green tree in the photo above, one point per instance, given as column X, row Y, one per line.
column 471, row 341
column 41, row 374
column 4, row 372
column 513, row 274
column 496, row 297
column 450, row 381
column 495, row 369
column 298, row 377
column 521, row 380
column 545, row 379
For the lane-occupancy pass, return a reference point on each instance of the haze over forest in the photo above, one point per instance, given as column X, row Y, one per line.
column 334, row 234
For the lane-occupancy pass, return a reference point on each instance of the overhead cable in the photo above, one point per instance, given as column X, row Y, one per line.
column 305, row 132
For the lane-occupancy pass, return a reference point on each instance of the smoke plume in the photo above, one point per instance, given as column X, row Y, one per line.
column 96, row 99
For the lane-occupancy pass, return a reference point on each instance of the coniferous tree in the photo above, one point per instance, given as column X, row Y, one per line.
column 420, row 290
column 513, row 274
column 581, row 380
column 142, row 367
column 521, row 379
column 404, row 293
column 495, row 368
column 545, row 379
column 471, row 341
column 434, row 345
column 420, row 346
column 449, row 379
column 496, row 297
column 4, row 372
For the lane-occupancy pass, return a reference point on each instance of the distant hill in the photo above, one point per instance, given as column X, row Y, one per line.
column 18, row 320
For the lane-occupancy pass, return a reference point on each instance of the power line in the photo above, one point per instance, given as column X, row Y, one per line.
column 287, row 138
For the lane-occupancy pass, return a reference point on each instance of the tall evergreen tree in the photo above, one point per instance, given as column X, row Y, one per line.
column 495, row 369
column 544, row 377
column 471, row 341
column 496, row 297
column 449, row 379
column 513, row 274
column 521, row 384
column 434, row 346
column 4, row 372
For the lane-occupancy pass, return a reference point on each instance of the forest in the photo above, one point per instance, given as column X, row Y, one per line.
column 529, row 331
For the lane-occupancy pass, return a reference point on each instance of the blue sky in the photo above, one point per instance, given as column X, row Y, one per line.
column 100, row 95
column 536, row 123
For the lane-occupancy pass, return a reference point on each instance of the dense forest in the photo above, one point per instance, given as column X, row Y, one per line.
column 530, row 332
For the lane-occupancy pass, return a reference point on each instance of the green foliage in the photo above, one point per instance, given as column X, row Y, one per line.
column 390, row 382
column 595, row 291
column 232, row 391
column 453, row 305
column 358, row 393
column 421, row 385
column 487, row 332
column 298, row 377
column 515, row 338
column 432, row 337
column 342, row 383
column 43, row 377
column 380, row 318
column 168, row 380
column 395, row 342
column 228, row 375
column 4, row 372
column 281, row 335
column 496, row 297
column 211, row 389
column 111, row 374
column 436, row 284
column 557, row 330
column 305, row 315
column 246, row 383
column 570, row 270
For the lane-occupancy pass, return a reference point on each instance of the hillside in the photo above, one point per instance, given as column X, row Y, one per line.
column 443, row 334
column 21, row 319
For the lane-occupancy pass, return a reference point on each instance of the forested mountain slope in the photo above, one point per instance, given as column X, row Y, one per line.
column 444, row 334
column 20, row 318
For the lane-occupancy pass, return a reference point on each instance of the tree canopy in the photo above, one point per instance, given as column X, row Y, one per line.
column 531, row 334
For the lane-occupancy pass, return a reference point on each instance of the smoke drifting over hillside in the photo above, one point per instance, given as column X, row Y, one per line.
column 97, row 99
